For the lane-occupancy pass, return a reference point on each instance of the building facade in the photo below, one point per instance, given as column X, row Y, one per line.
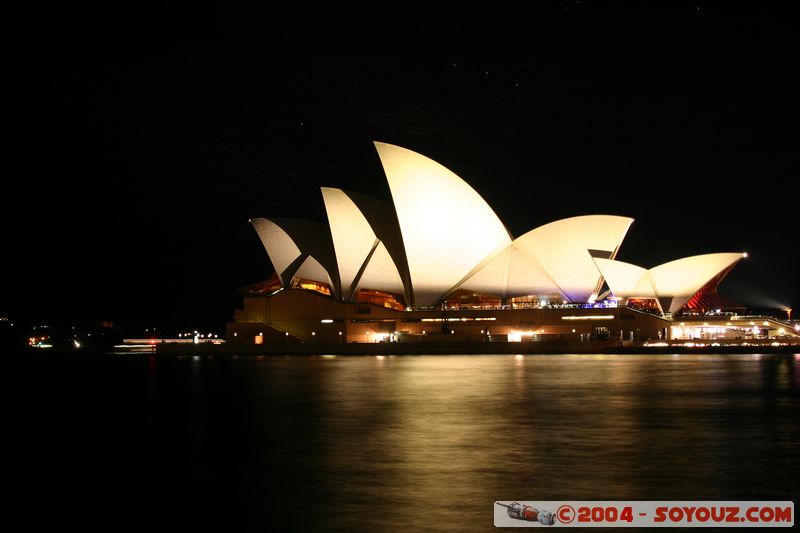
column 437, row 265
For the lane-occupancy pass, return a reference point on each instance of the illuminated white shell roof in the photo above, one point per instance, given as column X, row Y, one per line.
column 447, row 228
column 298, row 248
column 676, row 281
column 511, row 274
column 363, row 260
column 491, row 278
column 682, row 278
column 564, row 250
column 381, row 273
column 441, row 236
column 626, row 280
column 311, row 269
column 281, row 249
column 353, row 238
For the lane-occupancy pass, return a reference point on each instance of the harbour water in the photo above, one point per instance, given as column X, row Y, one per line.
column 390, row 443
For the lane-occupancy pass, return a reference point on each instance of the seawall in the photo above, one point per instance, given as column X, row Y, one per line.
column 450, row 348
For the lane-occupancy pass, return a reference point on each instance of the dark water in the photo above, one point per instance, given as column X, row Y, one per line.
column 389, row 444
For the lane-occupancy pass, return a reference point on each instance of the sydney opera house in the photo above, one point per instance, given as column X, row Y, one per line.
column 437, row 265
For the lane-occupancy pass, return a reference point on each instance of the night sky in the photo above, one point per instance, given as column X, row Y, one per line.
column 144, row 139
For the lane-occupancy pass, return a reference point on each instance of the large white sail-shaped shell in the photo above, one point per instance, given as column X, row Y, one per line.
column 280, row 247
column 565, row 249
column 353, row 237
column 290, row 243
column 312, row 270
column 625, row 279
column 682, row 278
column 381, row 273
column 673, row 283
column 511, row 273
column 447, row 228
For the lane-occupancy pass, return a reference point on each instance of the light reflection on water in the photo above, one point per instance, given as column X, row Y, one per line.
column 430, row 442
column 406, row 440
